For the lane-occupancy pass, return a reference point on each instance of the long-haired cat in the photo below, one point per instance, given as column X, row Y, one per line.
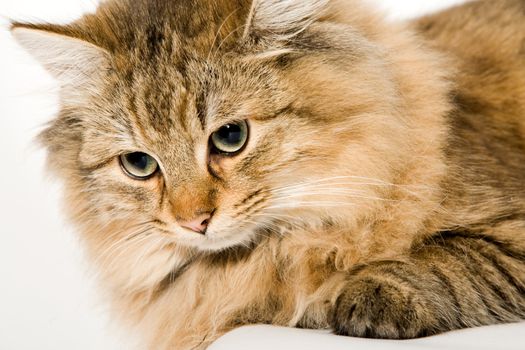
column 293, row 162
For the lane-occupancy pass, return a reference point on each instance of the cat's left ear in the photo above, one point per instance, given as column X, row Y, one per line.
column 72, row 61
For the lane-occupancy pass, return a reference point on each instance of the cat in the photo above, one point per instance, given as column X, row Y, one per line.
column 298, row 163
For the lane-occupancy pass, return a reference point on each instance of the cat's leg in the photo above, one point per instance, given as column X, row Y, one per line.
column 453, row 281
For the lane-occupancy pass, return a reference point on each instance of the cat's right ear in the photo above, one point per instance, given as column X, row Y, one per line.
column 282, row 19
column 72, row 61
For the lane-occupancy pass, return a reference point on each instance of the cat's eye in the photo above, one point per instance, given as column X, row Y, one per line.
column 139, row 165
column 230, row 138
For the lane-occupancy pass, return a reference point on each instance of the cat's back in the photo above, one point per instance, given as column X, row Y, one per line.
column 486, row 40
column 482, row 29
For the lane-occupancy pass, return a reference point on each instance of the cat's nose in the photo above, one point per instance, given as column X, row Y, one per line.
column 198, row 224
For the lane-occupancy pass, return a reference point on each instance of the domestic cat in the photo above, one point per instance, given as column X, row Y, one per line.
column 298, row 162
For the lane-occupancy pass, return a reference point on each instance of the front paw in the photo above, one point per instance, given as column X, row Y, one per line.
column 375, row 307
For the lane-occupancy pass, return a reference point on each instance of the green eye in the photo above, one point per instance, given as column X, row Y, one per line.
column 139, row 165
column 230, row 138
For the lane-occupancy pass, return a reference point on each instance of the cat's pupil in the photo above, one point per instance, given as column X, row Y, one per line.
column 230, row 134
column 230, row 138
column 138, row 160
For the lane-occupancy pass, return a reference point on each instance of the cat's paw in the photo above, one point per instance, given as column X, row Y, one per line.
column 373, row 307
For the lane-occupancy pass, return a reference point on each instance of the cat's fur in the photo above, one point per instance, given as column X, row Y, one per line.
column 382, row 191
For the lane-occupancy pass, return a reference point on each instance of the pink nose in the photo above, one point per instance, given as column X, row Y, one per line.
column 198, row 224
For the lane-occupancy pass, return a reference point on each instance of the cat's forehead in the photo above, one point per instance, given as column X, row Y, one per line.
column 193, row 92
column 179, row 74
column 166, row 28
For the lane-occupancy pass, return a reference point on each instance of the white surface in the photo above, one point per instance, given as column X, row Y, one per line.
column 507, row 337
column 47, row 300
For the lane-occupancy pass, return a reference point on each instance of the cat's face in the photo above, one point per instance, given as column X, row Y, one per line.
column 206, row 134
column 232, row 141
column 219, row 142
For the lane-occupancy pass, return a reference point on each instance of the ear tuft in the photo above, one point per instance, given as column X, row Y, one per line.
column 74, row 62
column 283, row 19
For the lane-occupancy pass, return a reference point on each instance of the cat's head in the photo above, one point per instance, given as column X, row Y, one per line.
column 200, row 123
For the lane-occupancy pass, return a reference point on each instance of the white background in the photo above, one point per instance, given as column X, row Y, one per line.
column 47, row 299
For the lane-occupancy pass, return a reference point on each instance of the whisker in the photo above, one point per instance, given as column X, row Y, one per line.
column 132, row 238
column 219, row 31
column 124, row 249
column 349, row 195
column 148, row 252
column 226, row 38
column 365, row 181
column 116, row 243
column 313, row 204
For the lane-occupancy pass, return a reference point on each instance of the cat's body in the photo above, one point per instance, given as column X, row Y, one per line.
column 389, row 202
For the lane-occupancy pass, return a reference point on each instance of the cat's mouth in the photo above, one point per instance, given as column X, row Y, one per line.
column 216, row 238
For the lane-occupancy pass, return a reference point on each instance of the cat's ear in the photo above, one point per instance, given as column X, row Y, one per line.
column 74, row 62
column 282, row 19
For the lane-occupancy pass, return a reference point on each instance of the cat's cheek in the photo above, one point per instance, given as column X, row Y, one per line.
column 118, row 195
column 223, row 166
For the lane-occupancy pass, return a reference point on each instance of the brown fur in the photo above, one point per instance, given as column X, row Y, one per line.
column 382, row 191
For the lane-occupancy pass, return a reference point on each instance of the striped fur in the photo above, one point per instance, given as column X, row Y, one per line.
column 381, row 192
column 453, row 280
